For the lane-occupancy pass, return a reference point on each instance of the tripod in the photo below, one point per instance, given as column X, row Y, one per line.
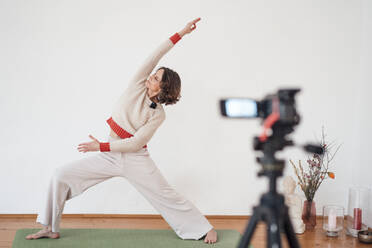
column 272, row 209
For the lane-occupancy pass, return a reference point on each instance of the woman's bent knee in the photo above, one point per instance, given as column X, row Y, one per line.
column 60, row 174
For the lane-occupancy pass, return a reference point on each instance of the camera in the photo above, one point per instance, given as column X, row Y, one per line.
column 279, row 115
column 282, row 104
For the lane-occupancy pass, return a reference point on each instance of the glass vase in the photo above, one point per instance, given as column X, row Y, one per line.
column 333, row 220
column 357, row 213
column 309, row 215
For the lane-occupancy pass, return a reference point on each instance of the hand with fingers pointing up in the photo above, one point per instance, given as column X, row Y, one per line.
column 92, row 146
column 191, row 26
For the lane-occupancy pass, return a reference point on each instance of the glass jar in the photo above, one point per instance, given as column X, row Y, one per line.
column 357, row 212
column 333, row 219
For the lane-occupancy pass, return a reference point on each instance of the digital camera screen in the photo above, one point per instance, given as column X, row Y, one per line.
column 239, row 108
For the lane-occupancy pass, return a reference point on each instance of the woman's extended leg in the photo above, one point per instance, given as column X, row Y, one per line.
column 71, row 180
column 184, row 218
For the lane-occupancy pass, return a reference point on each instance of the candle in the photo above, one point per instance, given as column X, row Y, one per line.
column 332, row 219
column 357, row 224
column 332, row 223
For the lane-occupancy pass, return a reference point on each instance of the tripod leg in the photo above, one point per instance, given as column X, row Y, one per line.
column 288, row 228
column 244, row 242
column 273, row 232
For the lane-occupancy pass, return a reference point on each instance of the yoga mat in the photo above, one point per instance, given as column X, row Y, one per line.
column 131, row 238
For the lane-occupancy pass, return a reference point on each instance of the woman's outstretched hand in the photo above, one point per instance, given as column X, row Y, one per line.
column 92, row 146
column 189, row 27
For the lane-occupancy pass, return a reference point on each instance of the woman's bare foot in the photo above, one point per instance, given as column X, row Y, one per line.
column 211, row 237
column 44, row 233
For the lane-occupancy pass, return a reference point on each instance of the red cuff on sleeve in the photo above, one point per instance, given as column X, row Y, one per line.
column 175, row 38
column 104, row 147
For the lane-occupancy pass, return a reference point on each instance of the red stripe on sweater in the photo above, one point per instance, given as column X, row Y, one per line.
column 175, row 38
column 104, row 147
column 118, row 130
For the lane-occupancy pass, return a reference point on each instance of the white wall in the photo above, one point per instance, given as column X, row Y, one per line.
column 63, row 64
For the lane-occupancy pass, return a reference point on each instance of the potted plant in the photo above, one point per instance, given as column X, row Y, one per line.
column 311, row 175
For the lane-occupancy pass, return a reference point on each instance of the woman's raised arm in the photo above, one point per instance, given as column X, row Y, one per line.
column 189, row 27
column 149, row 64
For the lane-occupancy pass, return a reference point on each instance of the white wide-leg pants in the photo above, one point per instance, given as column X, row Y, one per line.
column 140, row 170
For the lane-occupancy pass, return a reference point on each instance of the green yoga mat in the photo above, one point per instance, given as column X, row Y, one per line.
column 110, row 238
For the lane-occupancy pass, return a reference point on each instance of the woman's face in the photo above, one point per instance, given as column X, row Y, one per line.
column 153, row 82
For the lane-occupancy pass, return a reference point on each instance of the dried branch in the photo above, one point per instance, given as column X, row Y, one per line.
column 317, row 169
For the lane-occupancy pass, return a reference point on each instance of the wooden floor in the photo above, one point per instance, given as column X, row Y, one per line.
column 316, row 238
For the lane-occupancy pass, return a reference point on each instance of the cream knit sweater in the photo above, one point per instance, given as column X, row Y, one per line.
column 132, row 117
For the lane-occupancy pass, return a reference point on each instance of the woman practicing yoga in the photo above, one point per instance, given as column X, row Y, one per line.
column 135, row 118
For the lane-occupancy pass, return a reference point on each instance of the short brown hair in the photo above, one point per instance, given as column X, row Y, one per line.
column 170, row 86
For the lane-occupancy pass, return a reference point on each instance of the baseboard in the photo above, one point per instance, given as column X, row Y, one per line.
column 124, row 216
column 132, row 216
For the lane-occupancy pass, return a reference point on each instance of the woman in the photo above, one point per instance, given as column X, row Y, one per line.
column 135, row 118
